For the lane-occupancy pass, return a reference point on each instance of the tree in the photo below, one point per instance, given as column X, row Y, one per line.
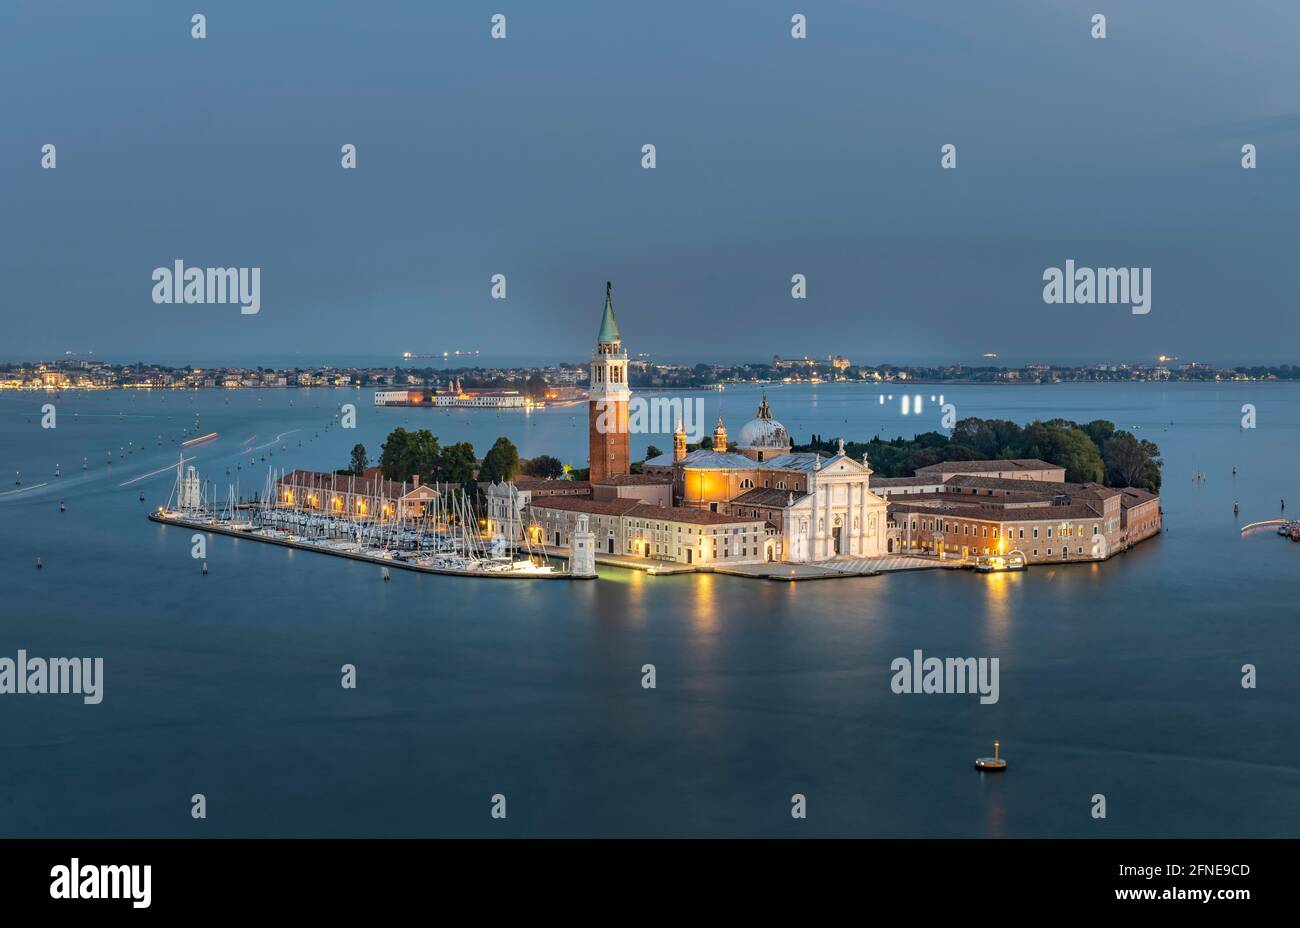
column 405, row 454
column 1063, row 443
column 1100, row 431
column 501, row 462
column 456, row 463
column 652, row 452
column 544, row 466
column 359, row 460
column 1133, row 463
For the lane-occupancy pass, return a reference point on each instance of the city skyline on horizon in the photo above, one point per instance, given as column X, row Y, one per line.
column 469, row 360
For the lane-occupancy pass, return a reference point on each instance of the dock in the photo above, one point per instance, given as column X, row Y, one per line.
column 627, row 562
column 218, row 529
column 837, row 568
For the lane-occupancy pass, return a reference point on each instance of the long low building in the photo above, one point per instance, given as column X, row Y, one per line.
column 626, row 525
column 1046, row 521
column 369, row 496
column 1013, row 469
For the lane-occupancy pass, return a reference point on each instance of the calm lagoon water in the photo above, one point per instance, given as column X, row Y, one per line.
column 1121, row 678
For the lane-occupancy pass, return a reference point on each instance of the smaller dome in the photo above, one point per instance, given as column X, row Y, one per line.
column 763, row 432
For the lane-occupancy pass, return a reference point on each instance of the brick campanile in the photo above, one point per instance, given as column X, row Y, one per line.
column 608, row 447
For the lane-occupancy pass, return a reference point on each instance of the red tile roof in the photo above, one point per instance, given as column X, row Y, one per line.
column 637, row 509
column 952, row 467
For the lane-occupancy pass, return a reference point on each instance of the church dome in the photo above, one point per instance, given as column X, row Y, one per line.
column 763, row 431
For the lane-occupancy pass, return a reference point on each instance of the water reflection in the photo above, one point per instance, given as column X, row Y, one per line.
column 998, row 588
column 704, row 614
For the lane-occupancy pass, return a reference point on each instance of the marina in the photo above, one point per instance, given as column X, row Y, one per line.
column 441, row 536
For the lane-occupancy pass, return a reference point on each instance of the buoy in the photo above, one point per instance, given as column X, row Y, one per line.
column 84, row 465
column 1235, row 507
column 18, row 478
column 61, row 506
column 56, row 470
column 991, row 763
column 205, row 567
column 39, row 565
column 386, row 577
column 142, row 496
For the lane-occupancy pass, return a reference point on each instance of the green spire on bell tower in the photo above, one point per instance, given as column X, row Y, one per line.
column 608, row 327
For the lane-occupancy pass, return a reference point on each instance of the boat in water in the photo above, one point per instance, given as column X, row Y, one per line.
column 997, row 563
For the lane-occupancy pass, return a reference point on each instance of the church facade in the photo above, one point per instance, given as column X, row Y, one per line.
column 818, row 508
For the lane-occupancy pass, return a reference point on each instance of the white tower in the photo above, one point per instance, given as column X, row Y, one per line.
column 189, row 496
column 582, row 549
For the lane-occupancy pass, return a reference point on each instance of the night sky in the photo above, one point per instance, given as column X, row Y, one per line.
column 775, row 156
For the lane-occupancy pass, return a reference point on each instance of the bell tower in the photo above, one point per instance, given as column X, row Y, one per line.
column 720, row 436
column 679, row 441
column 607, row 409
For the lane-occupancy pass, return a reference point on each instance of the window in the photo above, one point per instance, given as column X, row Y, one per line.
column 1035, row 531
